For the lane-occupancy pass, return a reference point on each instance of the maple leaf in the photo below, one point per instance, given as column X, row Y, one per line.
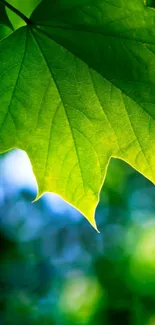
column 77, row 88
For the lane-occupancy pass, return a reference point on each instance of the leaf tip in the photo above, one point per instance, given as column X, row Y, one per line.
column 38, row 196
column 93, row 222
column 95, row 226
column 88, row 213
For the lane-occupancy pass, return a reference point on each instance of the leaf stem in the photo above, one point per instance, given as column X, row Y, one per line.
column 16, row 11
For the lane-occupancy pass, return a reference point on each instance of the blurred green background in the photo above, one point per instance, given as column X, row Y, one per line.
column 54, row 267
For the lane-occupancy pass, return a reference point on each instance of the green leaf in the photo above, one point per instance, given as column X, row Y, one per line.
column 25, row 6
column 80, row 91
column 4, row 20
column 3, row 16
column 150, row 3
column 4, row 31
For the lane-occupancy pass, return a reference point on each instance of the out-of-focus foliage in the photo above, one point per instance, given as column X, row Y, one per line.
column 150, row 3
column 55, row 269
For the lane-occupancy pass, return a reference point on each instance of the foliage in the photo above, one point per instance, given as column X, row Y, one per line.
column 77, row 88
column 55, row 269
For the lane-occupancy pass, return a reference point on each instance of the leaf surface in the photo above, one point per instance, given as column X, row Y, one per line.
column 5, row 24
column 3, row 16
column 24, row 6
column 80, row 91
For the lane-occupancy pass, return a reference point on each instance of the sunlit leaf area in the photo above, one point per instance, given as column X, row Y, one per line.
column 56, row 269
column 76, row 90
